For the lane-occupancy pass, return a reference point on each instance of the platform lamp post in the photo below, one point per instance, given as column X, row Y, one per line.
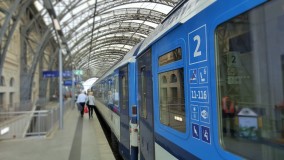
column 73, row 86
column 49, row 7
column 57, row 28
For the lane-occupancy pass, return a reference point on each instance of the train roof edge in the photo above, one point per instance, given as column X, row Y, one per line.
column 129, row 57
column 180, row 14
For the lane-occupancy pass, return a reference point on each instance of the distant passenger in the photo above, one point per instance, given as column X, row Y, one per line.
column 81, row 102
column 91, row 104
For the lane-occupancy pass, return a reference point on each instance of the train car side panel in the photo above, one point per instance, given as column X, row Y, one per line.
column 199, row 109
column 124, row 111
column 108, row 102
column 145, row 105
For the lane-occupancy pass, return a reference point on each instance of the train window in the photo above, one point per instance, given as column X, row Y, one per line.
column 115, row 91
column 171, row 98
column 250, row 82
column 143, row 92
column 123, row 91
column 170, row 57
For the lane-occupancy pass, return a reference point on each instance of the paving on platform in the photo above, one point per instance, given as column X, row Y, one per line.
column 80, row 139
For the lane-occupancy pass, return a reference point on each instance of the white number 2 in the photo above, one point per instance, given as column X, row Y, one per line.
column 197, row 52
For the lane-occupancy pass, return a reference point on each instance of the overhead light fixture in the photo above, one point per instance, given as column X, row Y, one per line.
column 38, row 5
column 5, row 130
column 56, row 24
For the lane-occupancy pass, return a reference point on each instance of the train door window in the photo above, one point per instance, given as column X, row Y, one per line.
column 124, row 89
column 143, row 92
column 171, row 98
column 116, row 91
column 170, row 57
column 105, row 92
column 250, row 84
column 171, row 93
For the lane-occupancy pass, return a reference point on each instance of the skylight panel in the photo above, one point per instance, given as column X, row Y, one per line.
column 80, row 8
column 92, row 2
column 153, row 6
column 59, row 7
column 154, row 25
column 140, row 34
column 66, row 17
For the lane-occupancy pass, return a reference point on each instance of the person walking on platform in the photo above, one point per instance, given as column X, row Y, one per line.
column 91, row 104
column 81, row 102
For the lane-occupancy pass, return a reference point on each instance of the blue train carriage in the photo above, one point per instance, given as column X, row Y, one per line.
column 116, row 96
column 128, row 146
column 107, row 101
column 210, row 82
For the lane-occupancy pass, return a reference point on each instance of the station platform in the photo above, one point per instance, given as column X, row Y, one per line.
column 80, row 139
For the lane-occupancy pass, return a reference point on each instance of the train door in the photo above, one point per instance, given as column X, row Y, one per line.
column 124, row 112
column 145, row 103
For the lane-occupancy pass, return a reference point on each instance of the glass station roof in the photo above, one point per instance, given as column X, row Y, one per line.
column 98, row 33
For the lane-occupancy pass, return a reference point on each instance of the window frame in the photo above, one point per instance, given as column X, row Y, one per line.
column 175, row 65
column 170, row 88
column 233, row 13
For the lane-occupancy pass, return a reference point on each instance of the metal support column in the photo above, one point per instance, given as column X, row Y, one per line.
column 60, row 90
column 8, row 19
column 73, row 86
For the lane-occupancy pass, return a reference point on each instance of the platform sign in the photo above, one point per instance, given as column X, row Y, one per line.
column 197, row 45
column 67, row 73
column 50, row 74
column 205, row 134
column 78, row 72
column 67, row 83
column 195, row 131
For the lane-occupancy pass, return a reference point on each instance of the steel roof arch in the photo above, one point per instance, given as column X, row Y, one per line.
column 141, row 29
column 86, row 35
